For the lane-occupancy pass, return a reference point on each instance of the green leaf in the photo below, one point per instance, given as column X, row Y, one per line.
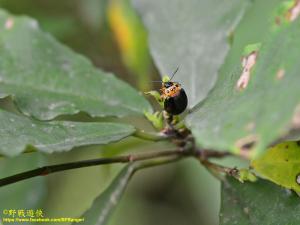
column 281, row 164
column 192, row 35
column 104, row 205
column 156, row 119
column 19, row 133
column 47, row 79
column 254, row 117
column 258, row 203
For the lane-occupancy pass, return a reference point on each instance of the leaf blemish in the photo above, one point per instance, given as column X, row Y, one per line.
column 296, row 118
column 246, row 210
column 113, row 199
column 248, row 63
column 280, row 74
column 298, row 179
column 250, row 126
column 278, row 20
column 293, row 12
column 9, row 23
column 246, row 144
column 33, row 24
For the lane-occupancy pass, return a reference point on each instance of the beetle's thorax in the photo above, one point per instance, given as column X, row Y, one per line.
column 170, row 89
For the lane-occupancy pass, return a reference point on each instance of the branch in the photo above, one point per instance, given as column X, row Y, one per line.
column 43, row 171
column 203, row 155
column 216, row 170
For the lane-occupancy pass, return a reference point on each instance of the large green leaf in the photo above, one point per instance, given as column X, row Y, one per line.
column 104, row 205
column 18, row 133
column 258, row 203
column 47, row 79
column 254, row 117
column 281, row 164
column 192, row 35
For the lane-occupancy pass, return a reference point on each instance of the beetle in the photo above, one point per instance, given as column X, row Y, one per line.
column 173, row 96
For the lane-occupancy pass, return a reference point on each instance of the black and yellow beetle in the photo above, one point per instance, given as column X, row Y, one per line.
column 173, row 96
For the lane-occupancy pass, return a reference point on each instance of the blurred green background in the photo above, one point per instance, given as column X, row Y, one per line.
column 112, row 36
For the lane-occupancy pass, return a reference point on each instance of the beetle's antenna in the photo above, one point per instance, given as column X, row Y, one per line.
column 173, row 74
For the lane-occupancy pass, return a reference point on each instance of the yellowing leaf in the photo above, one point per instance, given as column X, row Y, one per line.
column 281, row 164
column 131, row 38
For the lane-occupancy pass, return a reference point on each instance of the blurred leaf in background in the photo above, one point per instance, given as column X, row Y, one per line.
column 24, row 195
column 131, row 37
column 74, row 23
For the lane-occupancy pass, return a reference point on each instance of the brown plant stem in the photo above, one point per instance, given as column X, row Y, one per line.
column 156, row 156
column 46, row 170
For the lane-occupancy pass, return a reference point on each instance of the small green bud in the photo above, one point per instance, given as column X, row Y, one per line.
column 157, row 97
column 246, row 175
column 156, row 119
